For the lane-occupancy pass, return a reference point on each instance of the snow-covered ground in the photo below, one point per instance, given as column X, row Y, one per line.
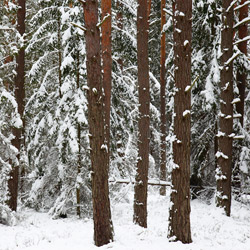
column 211, row 230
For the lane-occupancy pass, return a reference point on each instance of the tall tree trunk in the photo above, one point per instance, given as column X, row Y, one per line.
column 163, row 99
column 241, row 75
column 224, row 153
column 59, row 56
column 140, row 197
column 107, row 65
column 179, row 217
column 19, row 95
column 78, row 200
column 103, row 228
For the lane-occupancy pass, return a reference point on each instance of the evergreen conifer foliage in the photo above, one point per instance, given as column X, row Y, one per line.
column 205, row 94
column 57, row 127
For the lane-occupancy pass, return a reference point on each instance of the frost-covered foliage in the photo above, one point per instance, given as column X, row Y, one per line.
column 205, row 92
column 9, row 118
column 241, row 145
column 8, row 153
column 124, row 98
column 124, row 103
column 57, row 128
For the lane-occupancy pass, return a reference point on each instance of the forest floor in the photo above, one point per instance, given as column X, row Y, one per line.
column 211, row 229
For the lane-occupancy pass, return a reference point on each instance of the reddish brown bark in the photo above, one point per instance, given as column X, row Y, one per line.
column 149, row 8
column 140, row 198
column 163, row 99
column 103, row 229
column 179, row 214
column 224, row 153
column 107, row 63
column 79, row 166
column 19, row 95
column 241, row 76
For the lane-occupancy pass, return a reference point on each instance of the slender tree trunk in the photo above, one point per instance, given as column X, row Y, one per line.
column 140, row 198
column 107, row 64
column 59, row 56
column 179, row 216
column 19, row 95
column 224, row 153
column 163, row 99
column 241, row 75
column 78, row 201
column 103, row 228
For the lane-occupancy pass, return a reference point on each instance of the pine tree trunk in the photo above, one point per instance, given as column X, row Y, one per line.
column 19, row 95
column 224, row 153
column 163, row 99
column 241, row 75
column 179, row 217
column 59, row 56
column 103, row 229
column 107, row 64
column 79, row 166
column 140, row 198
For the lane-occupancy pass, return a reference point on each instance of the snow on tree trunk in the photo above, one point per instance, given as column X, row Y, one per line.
column 140, row 197
column 224, row 153
column 163, row 99
column 179, row 217
column 103, row 229
column 107, row 64
column 241, row 76
column 19, row 95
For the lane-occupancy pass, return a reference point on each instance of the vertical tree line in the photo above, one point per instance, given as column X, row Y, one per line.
column 19, row 95
column 141, row 185
column 99, row 149
column 179, row 221
column 225, row 136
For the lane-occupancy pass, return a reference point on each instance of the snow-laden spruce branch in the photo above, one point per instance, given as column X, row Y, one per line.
column 5, row 28
column 103, row 20
column 78, row 26
column 247, row 38
column 231, row 5
column 242, row 5
column 232, row 58
column 168, row 12
column 188, row 88
column 245, row 20
column 81, row 1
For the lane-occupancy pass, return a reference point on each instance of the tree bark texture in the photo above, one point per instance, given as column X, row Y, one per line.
column 241, row 75
column 140, row 197
column 179, row 217
column 19, row 95
column 103, row 228
column 163, row 99
column 107, row 64
column 224, row 153
column 79, row 165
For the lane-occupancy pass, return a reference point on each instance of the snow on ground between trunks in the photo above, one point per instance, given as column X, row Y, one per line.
column 211, row 229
